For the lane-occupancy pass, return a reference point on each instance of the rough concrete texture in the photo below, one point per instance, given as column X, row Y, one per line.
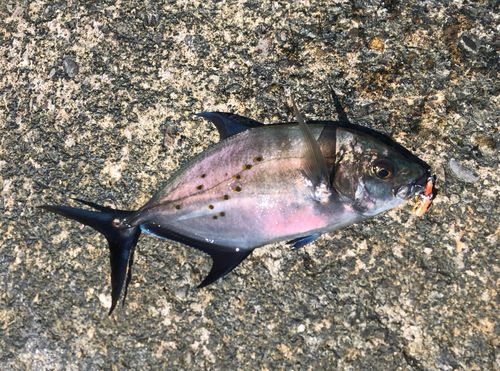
column 97, row 102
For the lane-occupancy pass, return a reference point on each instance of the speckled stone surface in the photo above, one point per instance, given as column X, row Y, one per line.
column 97, row 102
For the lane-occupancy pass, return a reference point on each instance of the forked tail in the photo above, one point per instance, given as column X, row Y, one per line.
column 121, row 237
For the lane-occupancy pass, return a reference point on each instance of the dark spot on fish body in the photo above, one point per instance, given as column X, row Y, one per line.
column 238, row 176
column 178, row 207
column 214, row 217
column 203, row 175
column 211, row 207
column 225, row 197
column 247, row 167
column 237, row 189
column 222, row 213
column 258, row 159
column 199, row 187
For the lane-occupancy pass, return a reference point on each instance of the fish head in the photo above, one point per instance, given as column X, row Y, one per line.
column 371, row 176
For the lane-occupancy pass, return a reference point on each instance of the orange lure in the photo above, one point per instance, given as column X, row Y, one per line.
column 423, row 201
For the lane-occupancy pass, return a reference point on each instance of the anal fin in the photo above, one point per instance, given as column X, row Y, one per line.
column 224, row 258
column 223, row 263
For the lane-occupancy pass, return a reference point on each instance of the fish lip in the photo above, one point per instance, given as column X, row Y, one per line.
column 417, row 187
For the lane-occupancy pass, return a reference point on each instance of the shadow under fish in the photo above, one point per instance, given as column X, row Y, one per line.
column 259, row 185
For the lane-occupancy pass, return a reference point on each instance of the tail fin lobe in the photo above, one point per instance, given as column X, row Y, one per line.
column 122, row 239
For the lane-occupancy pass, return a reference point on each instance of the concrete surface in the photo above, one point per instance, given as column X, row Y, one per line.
column 97, row 102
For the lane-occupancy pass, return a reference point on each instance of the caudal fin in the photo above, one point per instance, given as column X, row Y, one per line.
column 121, row 237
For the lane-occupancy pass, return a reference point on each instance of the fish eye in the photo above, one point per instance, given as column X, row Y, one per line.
column 383, row 169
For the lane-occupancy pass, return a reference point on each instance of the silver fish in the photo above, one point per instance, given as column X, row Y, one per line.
column 260, row 184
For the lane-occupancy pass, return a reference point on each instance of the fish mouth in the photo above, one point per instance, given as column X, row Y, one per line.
column 415, row 188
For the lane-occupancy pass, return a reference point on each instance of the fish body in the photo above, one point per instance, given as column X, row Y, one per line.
column 260, row 184
column 247, row 191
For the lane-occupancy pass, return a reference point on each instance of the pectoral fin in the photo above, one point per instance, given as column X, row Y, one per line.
column 313, row 162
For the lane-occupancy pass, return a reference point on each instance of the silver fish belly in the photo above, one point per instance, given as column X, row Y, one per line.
column 260, row 184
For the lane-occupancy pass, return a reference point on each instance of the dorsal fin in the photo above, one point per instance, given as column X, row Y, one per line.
column 229, row 124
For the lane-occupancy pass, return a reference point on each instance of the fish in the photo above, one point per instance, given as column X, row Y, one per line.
column 258, row 185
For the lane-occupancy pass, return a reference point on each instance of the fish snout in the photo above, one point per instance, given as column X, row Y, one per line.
column 415, row 188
